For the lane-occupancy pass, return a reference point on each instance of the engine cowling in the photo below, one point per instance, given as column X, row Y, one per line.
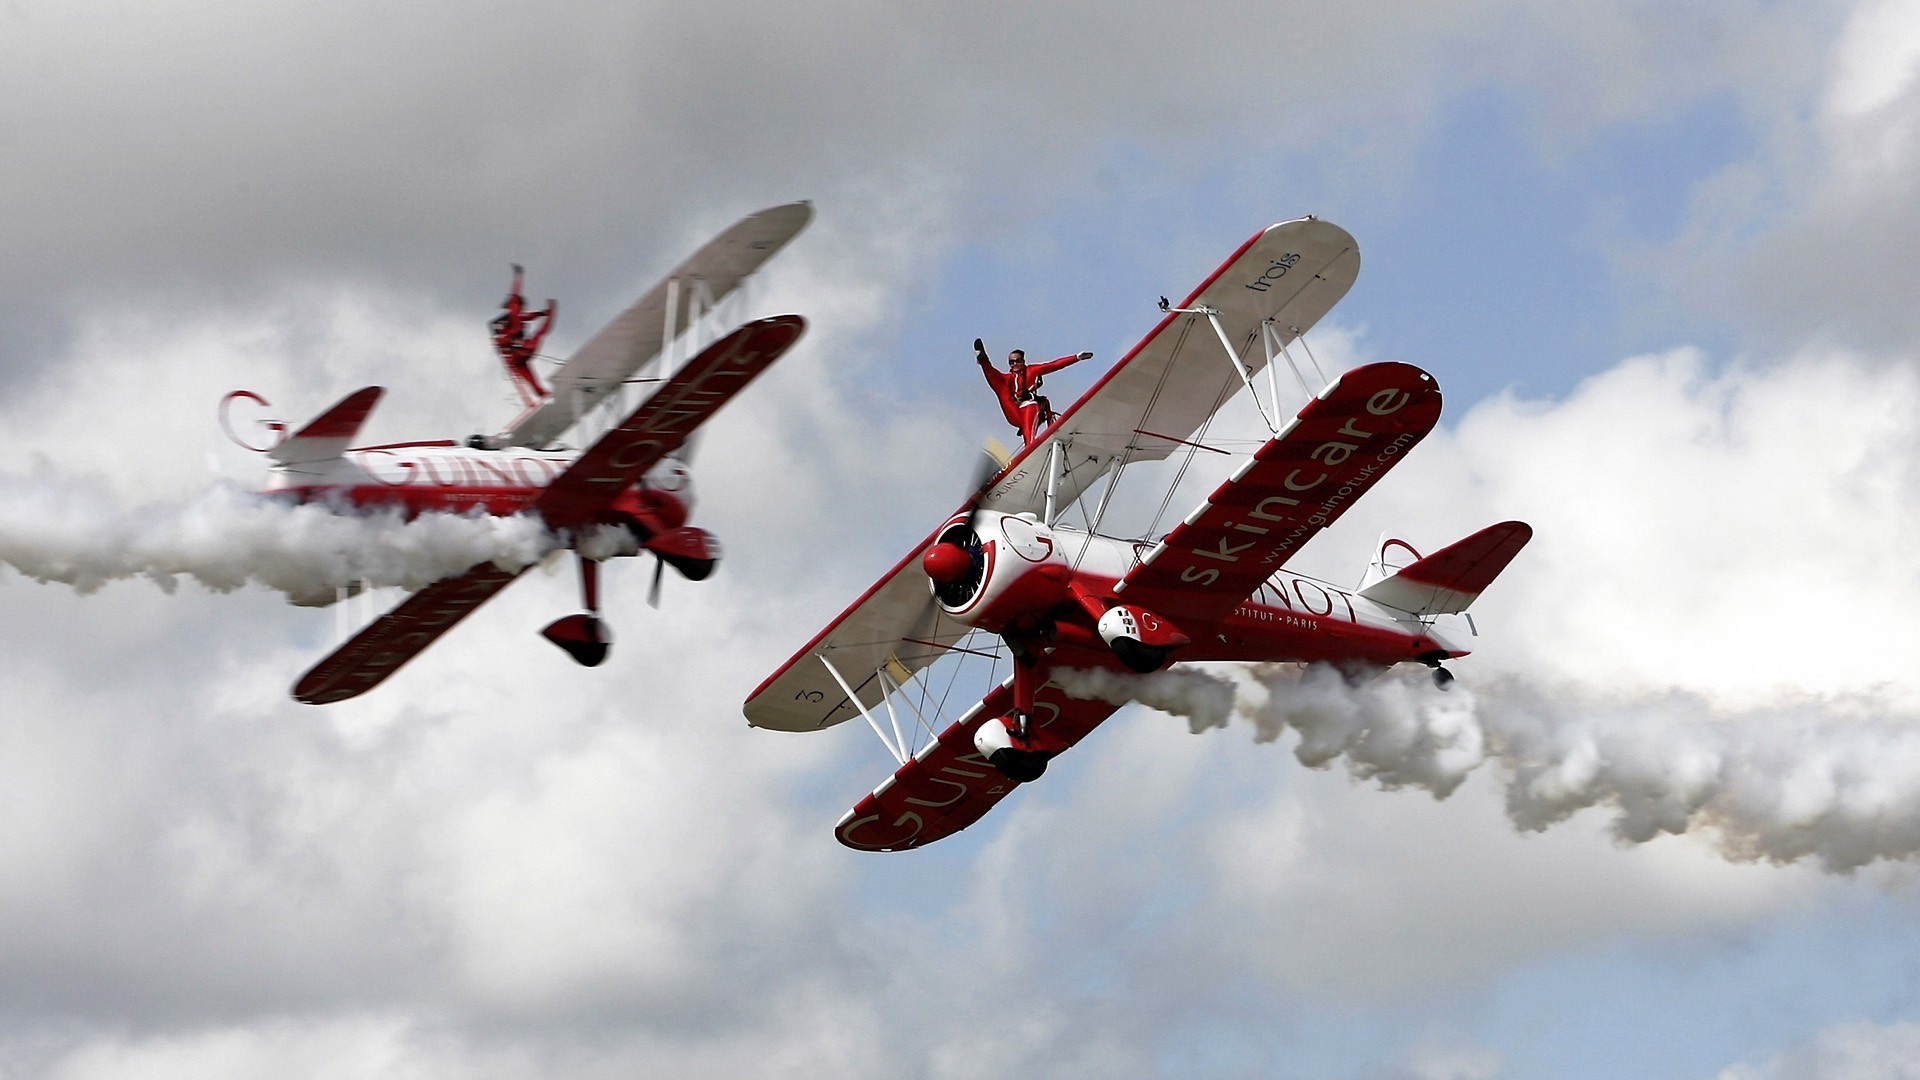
column 996, row 569
column 690, row 550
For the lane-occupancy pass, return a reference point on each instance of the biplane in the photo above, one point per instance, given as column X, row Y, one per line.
column 629, row 492
column 1008, row 572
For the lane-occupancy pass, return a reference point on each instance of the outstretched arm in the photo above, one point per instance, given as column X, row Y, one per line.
column 1056, row 365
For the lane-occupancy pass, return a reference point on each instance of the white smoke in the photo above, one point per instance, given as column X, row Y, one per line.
column 73, row 533
column 1834, row 780
column 1206, row 701
column 1398, row 731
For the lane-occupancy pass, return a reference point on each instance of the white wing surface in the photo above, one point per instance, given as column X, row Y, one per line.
column 612, row 356
column 1288, row 275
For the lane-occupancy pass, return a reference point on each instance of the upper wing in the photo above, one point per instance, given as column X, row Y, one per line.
column 694, row 393
column 895, row 628
column 1300, row 482
column 947, row 786
column 611, row 356
column 1288, row 275
column 399, row 635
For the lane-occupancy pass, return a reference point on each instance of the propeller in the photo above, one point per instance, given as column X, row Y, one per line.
column 946, row 562
column 992, row 461
column 653, row 591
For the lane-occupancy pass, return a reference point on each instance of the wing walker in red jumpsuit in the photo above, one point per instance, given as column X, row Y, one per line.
column 1018, row 388
column 517, row 339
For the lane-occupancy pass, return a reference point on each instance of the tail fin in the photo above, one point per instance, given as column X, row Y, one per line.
column 326, row 436
column 1447, row 581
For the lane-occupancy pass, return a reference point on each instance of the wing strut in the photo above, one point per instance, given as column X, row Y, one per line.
column 671, row 328
column 894, row 678
column 895, row 746
column 1246, row 377
column 1056, row 455
column 891, row 673
column 1277, row 348
column 700, row 304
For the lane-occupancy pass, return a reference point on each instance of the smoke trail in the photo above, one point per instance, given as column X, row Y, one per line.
column 1206, row 701
column 1834, row 780
column 57, row 530
column 1399, row 731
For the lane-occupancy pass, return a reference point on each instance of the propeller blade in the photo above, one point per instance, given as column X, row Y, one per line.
column 985, row 468
column 653, row 591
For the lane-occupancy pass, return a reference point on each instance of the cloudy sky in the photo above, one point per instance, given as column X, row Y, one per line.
column 1659, row 255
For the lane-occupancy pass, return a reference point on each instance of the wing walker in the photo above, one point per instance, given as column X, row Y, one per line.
column 629, row 492
column 1006, row 577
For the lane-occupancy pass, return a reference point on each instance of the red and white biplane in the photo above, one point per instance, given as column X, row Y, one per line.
column 627, row 493
column 1214, row 588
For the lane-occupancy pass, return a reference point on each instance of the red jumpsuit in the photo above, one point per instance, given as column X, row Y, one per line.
column 510, row 339
column 1018, row 390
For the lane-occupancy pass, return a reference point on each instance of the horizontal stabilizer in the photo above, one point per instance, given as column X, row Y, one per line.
column 1447, row 581
column 327, row 435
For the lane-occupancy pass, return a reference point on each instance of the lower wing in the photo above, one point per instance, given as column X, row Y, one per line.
column 398, row 636
column 948, row 785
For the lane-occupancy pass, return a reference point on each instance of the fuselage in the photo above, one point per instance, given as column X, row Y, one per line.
column 446, row 477
column 1027, row 575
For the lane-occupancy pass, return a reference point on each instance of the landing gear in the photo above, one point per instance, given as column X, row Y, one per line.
column 1442, row 678
column 1002, row 741
column 583, row 637
column 1019, row 766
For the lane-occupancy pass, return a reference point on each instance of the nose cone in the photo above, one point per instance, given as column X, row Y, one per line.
column 946, row 563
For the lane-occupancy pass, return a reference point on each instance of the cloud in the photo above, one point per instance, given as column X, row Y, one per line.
column 1808, row 234
column 1842, row 1052
column 502, row 864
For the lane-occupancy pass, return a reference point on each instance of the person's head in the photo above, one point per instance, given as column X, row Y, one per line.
column 1017, row 359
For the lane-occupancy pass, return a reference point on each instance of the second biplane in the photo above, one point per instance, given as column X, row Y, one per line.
column 1213, row 588
column 628, row 493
